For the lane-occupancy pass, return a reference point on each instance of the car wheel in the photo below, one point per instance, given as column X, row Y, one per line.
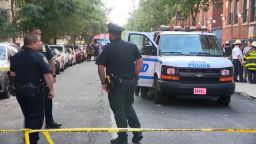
column 224, row 100
column 158, row 96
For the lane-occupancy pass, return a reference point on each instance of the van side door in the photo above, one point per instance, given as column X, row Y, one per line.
column 148, row 50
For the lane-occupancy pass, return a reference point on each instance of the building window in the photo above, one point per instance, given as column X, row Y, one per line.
column 246, row 9
column 253, row 14
column 230, row 12
column 236, row 11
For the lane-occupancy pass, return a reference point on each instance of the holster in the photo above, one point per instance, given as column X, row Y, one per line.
column 112, row 81
column 41, row 89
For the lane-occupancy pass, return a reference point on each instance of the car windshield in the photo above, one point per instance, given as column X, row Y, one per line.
column 2, row 53
column 190, row 44
column 57, row 47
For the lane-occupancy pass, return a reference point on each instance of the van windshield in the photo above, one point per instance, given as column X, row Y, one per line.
column 2, row 53
column 190, row 44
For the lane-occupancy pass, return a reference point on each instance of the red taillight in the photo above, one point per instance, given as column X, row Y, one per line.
column 167, row 77
column 226, row 79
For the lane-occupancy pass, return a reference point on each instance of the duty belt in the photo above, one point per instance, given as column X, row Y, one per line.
column 27, row 85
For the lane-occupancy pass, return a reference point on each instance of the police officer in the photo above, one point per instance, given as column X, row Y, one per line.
column 118, row 58
column 250, row 64
column 237, row 59
column 29, row 69
column 49, row 121
column 227, row 49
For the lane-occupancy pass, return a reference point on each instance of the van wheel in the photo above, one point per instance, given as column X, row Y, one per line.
column 6, row 92
column 144, row 92
column 158, row 97
column 224, row 100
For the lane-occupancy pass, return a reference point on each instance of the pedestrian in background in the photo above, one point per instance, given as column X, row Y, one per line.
column 237, row 59
column 118, row 58
column 49, row 121
column 31, row 72
column 227, row 50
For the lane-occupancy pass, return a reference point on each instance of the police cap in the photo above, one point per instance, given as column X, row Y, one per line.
column 114, row 28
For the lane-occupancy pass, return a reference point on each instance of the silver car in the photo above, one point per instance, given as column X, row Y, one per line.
column 7, row 50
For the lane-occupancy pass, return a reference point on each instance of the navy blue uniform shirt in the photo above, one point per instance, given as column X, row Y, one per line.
column 119, row 57
column 29, row 66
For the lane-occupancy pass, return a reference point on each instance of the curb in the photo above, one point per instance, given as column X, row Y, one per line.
column 245, row 94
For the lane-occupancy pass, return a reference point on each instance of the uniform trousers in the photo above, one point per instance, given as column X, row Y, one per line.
column 48, row 107
column 121, row 98
column 238, row 69
column 32, row 106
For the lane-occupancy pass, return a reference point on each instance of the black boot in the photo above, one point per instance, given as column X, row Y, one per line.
column 137, row 138
column 119, row 141
column 53, row 125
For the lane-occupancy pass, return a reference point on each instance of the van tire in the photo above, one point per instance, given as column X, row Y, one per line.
column 158, row 97
column 144, row 92
column 224, row 100
column 6, row 93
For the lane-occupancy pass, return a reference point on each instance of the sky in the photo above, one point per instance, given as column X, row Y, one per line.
column 121, row 10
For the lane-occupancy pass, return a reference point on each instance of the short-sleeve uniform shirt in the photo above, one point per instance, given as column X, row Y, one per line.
column 29, row 66
column 237, row 51
column 119, row 57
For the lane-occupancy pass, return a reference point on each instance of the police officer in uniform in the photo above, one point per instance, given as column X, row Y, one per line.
column 227, row 49
column 118, row 58
column 49, row 121
column 31, row 71
column 237, row 59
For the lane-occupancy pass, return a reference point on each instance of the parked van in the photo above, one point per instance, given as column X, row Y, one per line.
column 179, row 63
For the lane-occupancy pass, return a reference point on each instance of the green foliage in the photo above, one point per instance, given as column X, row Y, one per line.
column 6, row 29
column 58, row 18
column 150, row 14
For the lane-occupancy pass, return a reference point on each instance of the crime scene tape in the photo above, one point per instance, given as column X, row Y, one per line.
column 4, row 68
column 111, row 130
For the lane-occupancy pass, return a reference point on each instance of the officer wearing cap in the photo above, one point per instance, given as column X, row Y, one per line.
column 237, row 59
column 227, row 49
column 118, row 58
column 31, row 71
column 49, row 121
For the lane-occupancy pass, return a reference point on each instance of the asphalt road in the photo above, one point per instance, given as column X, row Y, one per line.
column 79, row 103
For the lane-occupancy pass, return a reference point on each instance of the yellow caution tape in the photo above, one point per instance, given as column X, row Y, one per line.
column 4, row 68
column 111, row 130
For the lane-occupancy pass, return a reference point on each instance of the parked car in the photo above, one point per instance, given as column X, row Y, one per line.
column 7, row 50
column 63, row 53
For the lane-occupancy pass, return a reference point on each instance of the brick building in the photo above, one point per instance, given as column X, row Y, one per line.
column 238, row 19
column 210, row 17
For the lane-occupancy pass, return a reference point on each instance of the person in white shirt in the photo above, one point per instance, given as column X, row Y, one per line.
column 245, row 51
column 237, row 59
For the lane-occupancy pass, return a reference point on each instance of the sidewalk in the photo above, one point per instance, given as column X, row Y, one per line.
column 246, row 89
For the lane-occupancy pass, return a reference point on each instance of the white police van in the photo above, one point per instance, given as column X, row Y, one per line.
column 184, row 64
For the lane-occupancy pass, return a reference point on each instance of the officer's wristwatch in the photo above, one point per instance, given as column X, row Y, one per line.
column 54, row 76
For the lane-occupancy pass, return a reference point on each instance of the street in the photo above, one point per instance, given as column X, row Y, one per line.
column 79, row 102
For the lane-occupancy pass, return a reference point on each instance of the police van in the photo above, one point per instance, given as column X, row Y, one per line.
column 183, row 63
